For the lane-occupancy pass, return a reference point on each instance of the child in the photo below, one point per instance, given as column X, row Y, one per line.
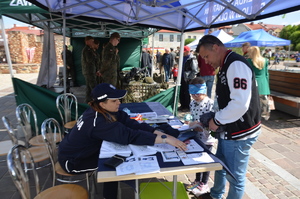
column 175, row 72
column 200, row 104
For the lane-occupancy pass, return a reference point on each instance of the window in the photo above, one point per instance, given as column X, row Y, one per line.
column 171, row 38
column 194, row 37
column 189, row 37
column 161, row 37
column 178, row 38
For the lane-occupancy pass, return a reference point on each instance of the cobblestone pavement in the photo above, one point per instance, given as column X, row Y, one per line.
column 274, row 166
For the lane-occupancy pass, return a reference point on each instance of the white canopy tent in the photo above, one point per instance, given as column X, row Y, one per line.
column 221, row 34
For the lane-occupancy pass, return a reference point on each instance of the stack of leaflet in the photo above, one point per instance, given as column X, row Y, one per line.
column 158, row 119
column 144, row 115
column 193, row 146
column 141, row 150
column 194, row 158
column 138, row 165
column 109, row 149
column 163, row 147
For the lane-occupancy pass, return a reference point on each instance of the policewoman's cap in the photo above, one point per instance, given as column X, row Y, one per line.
column 107, row 91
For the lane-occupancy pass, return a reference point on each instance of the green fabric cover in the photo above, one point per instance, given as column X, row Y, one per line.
column 42, row 100
column 166, row 98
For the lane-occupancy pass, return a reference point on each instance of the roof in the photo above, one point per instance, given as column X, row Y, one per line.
column 266, row 27
column 26, row 29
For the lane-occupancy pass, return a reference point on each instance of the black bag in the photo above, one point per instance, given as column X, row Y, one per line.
column 115, row 161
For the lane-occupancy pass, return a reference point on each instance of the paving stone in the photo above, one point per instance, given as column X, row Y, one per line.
column 270, row 153
column 292, row 155
column 279, row 148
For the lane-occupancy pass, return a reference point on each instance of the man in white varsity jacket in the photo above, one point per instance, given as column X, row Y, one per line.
column 239, row 114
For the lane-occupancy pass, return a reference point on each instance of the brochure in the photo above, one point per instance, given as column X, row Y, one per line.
column 138, row 165
column 142, row 150
column 170, row 156
column 193, row 146
column 194, row 158
column 109, row 149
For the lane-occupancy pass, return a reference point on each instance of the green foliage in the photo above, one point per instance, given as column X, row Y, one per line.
column 237, row 50
column 295, row 37
column 188, row 41
column 291, row 32
column 297, row 47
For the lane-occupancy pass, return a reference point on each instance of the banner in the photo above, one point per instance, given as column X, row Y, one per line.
column 19, row 6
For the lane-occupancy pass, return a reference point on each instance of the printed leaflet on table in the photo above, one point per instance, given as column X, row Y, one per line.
column 194, row 158
column 138, row 165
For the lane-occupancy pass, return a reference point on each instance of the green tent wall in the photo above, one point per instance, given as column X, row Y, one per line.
column 129, row 51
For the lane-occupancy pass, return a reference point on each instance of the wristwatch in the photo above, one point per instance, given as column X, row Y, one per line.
column 164, row 138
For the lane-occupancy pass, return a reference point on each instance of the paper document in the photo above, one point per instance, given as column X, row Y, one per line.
column 163, row 147
column 138, row 165
column 193, row 146
column 194, row 158
column 144, row 115
column 109, row 149
column 142, row 150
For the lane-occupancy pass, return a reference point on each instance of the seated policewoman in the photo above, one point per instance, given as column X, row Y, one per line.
column 79, row 150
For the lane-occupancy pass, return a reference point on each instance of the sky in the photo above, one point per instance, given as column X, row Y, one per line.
column 291, row 18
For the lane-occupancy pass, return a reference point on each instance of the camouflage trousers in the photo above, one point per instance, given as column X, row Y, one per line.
column 264, row 105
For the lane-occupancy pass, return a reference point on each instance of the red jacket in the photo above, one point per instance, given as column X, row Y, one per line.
column 205, row 69
column 175, row 72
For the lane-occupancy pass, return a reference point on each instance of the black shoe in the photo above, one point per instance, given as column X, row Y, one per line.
column 205, row 196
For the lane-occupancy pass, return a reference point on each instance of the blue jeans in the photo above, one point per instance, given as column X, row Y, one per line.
column 167, row 72
column 209, row 80
column 235, row 154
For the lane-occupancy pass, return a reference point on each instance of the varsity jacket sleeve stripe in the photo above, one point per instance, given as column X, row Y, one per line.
column 240, row 84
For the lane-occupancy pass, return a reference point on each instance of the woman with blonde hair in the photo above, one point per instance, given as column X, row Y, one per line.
column 260, row 68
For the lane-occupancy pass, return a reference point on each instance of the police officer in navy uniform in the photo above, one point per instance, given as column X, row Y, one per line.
column 79, row 150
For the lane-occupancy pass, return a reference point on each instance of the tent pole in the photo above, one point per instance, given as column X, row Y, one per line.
column 152, row 55
column 64, row 52
column 182, row 39
column 48, row 68
column 288, row 57
column 7, row 53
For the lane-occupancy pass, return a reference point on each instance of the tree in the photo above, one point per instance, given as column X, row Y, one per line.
column 188, row 41
column 291, row 33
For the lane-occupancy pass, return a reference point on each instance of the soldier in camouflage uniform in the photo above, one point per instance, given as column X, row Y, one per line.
column 110, row 61
column 98, row 60
column 88, row 63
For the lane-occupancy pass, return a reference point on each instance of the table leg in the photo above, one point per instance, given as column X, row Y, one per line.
column 137, row 191
column 174, row 186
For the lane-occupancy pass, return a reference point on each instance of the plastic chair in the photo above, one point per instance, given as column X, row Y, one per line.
column 39, row 153
column 27, row 116
column 65, row 104
column 20, row 161
column 51, row 132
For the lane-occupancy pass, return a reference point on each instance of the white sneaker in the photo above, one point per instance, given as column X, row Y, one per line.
column 201, row 189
